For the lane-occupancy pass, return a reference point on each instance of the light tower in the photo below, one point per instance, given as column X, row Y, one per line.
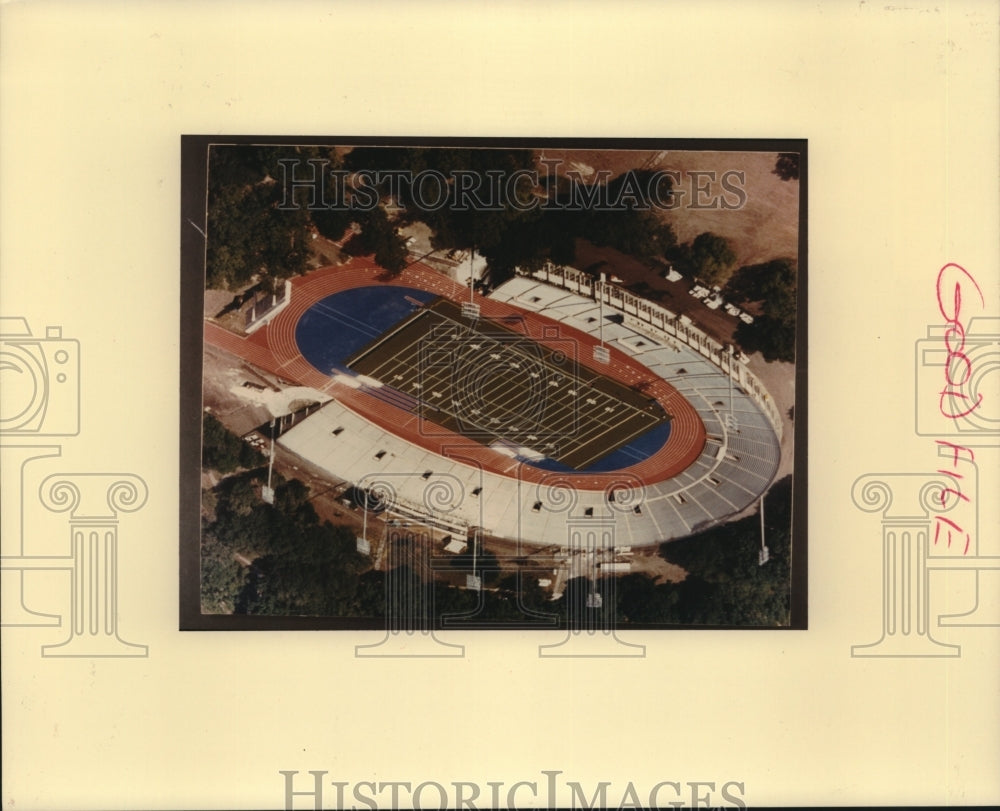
column 731, row 353
column 601, row 354
column 764, row 555
column 470, row 309
column 472, row 581
column 267, row 492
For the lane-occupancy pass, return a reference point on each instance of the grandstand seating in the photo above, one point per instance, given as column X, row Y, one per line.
column 706, row 483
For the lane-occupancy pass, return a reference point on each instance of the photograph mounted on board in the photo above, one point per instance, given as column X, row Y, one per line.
column 492, row 383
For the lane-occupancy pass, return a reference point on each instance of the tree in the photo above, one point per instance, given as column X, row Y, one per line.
column 390, row 250
column 775, row 285
column 779, row 288
column 635, row 232
column 725, row 585
column 222, row 578
column 306, row 568
column 787, row 166
column 241, row 497
column 640, row 600
column 223, row 451
column 291, row 496
column 250, row 232
column 772, row 337
column 300, row 564
column 332, row 222
column 711, row 258
column 378, row 237
column 487, row 565
column 509, row 233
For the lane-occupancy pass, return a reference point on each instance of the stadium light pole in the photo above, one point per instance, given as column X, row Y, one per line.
column 601, row 352
column 731, row 380
column 364, row 517
column 470, row 309
column 474, row 581
column 267, row 494
column 600, row 320
column 765, row 553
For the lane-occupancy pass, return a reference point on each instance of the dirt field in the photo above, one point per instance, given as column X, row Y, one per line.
column 765, row 227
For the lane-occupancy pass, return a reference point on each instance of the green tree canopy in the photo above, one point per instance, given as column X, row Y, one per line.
column 787, row 166
column 711, row 258
column 222, row 579
column 775, row 285
column 222, row 450
column 250, row 233
column 725, row 583
column 378, row 237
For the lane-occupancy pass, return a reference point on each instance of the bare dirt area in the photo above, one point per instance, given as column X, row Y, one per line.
column 223, row 377
column 325, row 252
column 648, row 561
column 555, row 559
column 216, row 300
column 763, row 226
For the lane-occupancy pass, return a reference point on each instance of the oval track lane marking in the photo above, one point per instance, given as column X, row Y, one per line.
column 273, row 348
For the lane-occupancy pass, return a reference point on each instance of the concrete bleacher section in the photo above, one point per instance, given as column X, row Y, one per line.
column 570, row 295
column 264, row 308
column 737, row 464
column 741, row 420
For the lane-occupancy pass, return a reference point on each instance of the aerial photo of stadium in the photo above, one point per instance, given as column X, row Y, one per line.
column 410, row 400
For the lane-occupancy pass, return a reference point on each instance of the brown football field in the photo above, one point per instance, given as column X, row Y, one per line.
column 489, row 383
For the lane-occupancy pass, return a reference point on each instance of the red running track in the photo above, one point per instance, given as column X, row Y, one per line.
column 273, row 348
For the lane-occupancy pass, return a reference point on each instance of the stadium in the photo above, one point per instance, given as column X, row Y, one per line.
column 555, row 409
